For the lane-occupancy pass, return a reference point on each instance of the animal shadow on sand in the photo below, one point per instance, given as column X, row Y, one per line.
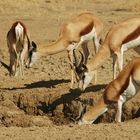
column 40, row 84
column 95, row 88
column 5, row 65
column 47, row 84
column 73, row 94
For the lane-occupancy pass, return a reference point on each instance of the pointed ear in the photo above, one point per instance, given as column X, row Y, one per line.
column 34, row 46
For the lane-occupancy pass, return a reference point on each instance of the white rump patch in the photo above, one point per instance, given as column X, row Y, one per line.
column 19, row 32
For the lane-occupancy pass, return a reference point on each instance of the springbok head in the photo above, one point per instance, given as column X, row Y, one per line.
column 32, row 56
column 82, row 71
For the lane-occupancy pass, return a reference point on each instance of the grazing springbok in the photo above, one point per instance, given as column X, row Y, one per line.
column 123, row 88
column 20, row 49
column 120, row 38
column 74, row 33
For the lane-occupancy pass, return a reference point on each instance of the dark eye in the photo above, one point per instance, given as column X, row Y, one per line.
column 83, row 77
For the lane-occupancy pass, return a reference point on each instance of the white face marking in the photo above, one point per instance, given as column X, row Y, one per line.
column 83, row 83
column 87, row 80
column 131, row 44
column 34, row 58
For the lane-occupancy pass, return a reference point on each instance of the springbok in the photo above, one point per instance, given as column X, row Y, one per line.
column 74, row 33
column 123, row 88
column 120, row 38
column 20, row 49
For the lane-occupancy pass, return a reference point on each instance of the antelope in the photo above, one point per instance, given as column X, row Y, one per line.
column 76, row 32
column 120, row 38
column 123, row 88
column 20, row 48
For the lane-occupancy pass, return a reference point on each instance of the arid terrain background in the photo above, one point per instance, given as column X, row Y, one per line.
column 40, row 105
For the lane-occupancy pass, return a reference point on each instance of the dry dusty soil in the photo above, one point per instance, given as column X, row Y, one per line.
column 40, row 105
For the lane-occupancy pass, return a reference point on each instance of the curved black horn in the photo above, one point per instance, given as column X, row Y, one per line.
column 78, row 66
column 82, row 60
column 75, row 58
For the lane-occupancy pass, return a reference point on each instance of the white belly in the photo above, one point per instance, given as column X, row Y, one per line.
column 89, row 36
column 131, row 90
column 84, row 38
column 131, row 44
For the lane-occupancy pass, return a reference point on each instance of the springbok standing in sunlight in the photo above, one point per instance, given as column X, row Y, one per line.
column 20, row 49
column 76, row 32
column 123, row 88
column 119, row 39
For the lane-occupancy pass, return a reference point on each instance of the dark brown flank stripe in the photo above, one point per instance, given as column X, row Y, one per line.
column 112, row 93
column 132, row 36
column 87, row 29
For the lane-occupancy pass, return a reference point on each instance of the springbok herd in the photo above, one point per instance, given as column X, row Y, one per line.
column 76, row 33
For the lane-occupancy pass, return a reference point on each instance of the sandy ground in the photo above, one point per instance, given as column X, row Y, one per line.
column 35, row 106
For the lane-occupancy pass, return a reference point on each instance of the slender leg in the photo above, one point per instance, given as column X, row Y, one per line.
column 70, row 56
column 18, row 65
column 119, row 109
column 85, row 51
column 22, row 59
column 16, row 60
column 120, row 60
column 21, row 63
column 12, row 65
column 13, row 60
column 115, row 58
column 96, row 44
